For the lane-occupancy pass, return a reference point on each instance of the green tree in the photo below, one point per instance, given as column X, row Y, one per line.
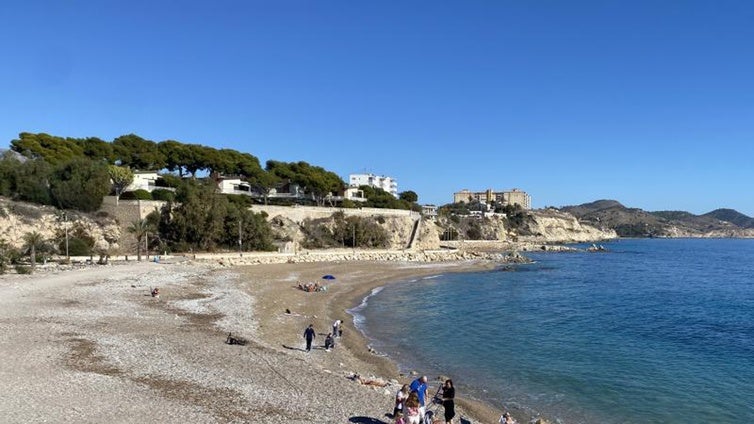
column 96, row 149
column 80, row 184
column 137, row 153
column 140, row 230
column 7, row 255
column 409, row 196
column 195, row 157
column 9, row 169
column 175, row 154
column 53, row 150
column 33, row 182
column 121, row 177
column 316, row 181
column 379, row 198
column 247, row 228
column 33, row 241
column 198, row 219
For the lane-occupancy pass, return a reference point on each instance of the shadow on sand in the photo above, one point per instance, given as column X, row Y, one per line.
column 300, row 349
column 366, row 420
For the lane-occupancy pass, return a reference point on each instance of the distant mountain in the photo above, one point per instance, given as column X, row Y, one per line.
column 634, row 222
column 732, row 216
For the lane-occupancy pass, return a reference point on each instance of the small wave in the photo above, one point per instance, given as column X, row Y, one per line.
column 431, row 277
column 355, row 312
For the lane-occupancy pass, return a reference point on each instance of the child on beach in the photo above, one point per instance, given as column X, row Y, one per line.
column 399, row 418
column 412, row 409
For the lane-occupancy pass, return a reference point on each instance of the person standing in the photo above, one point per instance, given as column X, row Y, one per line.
column 448, row 402
column 336, row 327
column 412, row 411
column 400, row 399
column 419, row 386
column 309, row 335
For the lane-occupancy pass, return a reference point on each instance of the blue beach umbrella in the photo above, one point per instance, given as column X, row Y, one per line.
column 328, row 277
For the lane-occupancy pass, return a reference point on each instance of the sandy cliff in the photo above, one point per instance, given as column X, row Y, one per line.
column 19, row 218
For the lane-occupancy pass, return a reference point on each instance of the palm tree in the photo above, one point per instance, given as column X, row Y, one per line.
column 32, row 241
column 140, row 229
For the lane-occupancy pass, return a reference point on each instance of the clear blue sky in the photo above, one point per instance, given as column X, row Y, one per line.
column 650, row 103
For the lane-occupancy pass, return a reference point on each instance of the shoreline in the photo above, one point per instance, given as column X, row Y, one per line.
column 346, row 294
column 92, row 345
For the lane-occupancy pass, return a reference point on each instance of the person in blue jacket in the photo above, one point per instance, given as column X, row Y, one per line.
column 309, row 335
column 420, row 387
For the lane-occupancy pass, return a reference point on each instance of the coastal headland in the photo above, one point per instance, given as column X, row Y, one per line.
column 92, row 344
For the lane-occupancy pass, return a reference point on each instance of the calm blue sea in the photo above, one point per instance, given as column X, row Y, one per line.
column 653, row 331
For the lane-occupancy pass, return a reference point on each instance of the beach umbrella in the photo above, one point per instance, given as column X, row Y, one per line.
column 328, row 277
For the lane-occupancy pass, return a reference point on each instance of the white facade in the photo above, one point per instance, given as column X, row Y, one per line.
column 233, row 186
column 386, row 183
column 143, row 180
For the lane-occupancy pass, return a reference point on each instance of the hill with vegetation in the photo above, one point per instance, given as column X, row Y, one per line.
column 634, row 222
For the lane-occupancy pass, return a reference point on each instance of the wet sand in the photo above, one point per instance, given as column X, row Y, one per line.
column 274, row 287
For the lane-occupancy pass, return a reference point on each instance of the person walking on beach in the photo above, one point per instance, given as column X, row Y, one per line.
column 309, row 335
column 448, row 402
column 419, row 386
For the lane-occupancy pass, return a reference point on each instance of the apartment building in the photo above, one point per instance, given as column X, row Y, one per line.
column 386, row 183
column 510, row 197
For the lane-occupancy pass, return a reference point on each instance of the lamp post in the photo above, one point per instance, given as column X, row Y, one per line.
column 65, row 224
column 240, row 239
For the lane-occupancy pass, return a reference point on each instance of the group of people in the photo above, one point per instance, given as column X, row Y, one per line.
column 507, row 419
column 411, row 402
column 311, row 287
column 310, row 335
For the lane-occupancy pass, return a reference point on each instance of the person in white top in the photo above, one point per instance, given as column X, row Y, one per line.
column 400, row 398
column 507, row 419
column 335, row 327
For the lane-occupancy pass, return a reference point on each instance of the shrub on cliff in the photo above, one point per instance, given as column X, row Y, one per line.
column 136, row 195
column 8, row 255
column 164, row 195
column 342, row 231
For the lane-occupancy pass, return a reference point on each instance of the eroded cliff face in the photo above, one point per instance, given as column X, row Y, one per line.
column 543, row 226
column 19, row 218
column 553, row 226
column 539, row 226
column 678, row 232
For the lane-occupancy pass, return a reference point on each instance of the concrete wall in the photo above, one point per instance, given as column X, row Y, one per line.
column 127, row 211
column 300, row 213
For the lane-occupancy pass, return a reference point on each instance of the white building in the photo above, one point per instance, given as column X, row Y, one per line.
column 386, row 183
column 233, row 185
column 143, row 180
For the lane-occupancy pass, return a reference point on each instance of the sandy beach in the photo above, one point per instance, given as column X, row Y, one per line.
column 93, row 345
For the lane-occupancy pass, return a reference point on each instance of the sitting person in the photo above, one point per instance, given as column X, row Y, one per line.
column 155, row 292
column 507, row 419
column 329, row 342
